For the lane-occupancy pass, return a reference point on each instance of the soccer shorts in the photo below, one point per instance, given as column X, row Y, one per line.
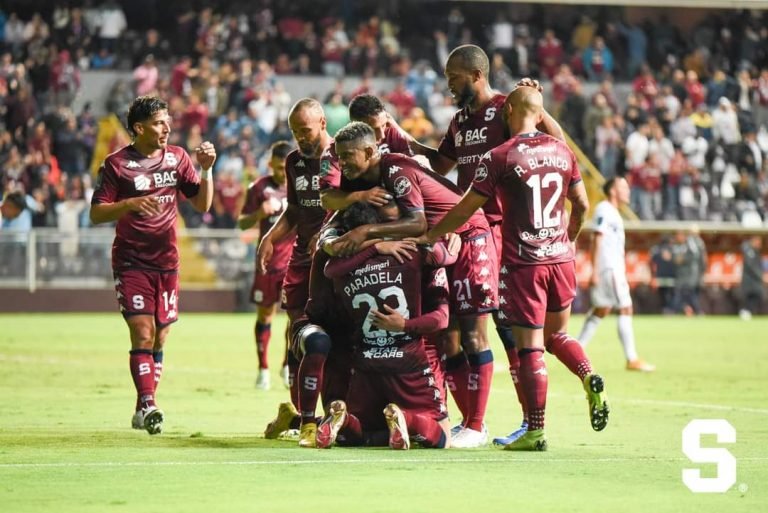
column 611, row 291
column 266, row 289
column 296, row 287
column 528, row 292
column 474, row 277
column 370, row 392
column 141, row 292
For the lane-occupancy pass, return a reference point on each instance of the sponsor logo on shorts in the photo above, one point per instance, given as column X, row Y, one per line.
column 379, row 353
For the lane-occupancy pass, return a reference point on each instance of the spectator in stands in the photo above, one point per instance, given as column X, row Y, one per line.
column 112, row 24
column 637, row 47
column 761, row 99
column 608, row 146
column 417, row 124
column 550, row 54
column 752, row 288
column 11, row 208
column 597, row 111
column 725, row 129
column 145, row 76
column 597, row 60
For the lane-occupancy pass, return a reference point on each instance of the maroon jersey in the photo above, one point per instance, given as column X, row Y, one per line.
column 265, row 189
column 532, row 173
column 469, row 137
column 140, row 241
column 380, row 281
column 304, row 177
column 395, row 141
column 419, row 189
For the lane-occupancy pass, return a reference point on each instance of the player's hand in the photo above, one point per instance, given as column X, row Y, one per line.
column 264, row 254
column 400, row 249
column 593, row 279
column 530, row 82
column 452, row 243
column 206, row 155
column 422, row 240
column 349, row 243
column 390, row 321
column 147, row 206
column 377, row 196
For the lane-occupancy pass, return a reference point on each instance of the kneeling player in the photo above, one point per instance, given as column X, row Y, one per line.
column 391, row 368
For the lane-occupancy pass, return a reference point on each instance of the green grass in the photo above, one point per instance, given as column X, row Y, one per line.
column 66, row 399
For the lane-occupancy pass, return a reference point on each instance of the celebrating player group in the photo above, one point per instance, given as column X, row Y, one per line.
column 389, row 272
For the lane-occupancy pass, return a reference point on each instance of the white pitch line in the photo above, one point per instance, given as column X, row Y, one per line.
column 348, row 461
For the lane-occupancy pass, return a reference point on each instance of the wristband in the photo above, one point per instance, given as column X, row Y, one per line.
column 206, row 174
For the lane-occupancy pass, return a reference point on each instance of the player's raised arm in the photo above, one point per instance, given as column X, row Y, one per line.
column 206, row 156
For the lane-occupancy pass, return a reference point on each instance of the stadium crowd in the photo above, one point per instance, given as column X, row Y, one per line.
column 690, row 135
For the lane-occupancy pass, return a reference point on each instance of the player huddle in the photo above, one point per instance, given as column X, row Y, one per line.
column 395, row 270
column 390, row 272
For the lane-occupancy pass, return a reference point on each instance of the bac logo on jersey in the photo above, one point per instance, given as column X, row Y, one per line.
column 165, row 179
column 302, row 184
column 481, row 173
column 402, row 186
column 475, row 136
column 170, row 159
column 142, row 183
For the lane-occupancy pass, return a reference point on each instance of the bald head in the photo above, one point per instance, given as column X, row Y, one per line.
column 307, row 106
column 470, row 58
column 524, row 109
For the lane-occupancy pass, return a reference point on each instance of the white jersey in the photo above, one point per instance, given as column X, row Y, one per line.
column 607, row 221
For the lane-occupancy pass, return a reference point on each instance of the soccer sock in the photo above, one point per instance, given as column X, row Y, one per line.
column 157, row 357
column 569, row 351
column 627, row 337
column 316, row 348
column 456, row 379
column 351, row 432
column 505, row 333
column 293, row 370
column 533, row 374
column 143, row 373
column 426, row 429
column 478, row 387
column 263, row 334
column 589, row 329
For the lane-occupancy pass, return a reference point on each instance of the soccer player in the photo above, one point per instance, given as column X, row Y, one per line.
column 264, row 202
column 474, row 130
column 390, row 138
column 305, row 214
column 392, row 373
column 609, row 288
column 138, row 187
column 425, row 197
column 534, row 173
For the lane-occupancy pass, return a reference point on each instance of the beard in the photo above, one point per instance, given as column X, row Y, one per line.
column 309, row 149
column 465, row 96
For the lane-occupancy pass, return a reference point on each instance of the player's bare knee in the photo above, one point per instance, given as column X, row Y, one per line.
column 474, row 336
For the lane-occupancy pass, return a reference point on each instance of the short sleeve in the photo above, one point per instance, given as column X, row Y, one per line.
column 107, row 188
column 253, row 199
column 405, row 186
column 487, row 175
column 291, row 196
column 330, row 173
column 601, row 219
column 575, row 172
column 447, row 147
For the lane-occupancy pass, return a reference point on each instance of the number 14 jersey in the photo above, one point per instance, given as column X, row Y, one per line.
column 532, row 174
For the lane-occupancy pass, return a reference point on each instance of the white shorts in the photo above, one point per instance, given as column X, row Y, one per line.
column 611, row 291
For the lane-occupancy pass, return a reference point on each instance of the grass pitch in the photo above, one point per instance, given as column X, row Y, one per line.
column 66, row 400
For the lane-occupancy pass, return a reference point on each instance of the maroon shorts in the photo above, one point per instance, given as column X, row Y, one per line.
column 475, row 275
column 370, row 392
column 266, row 288
column 296, row 287
column 148, row 293
column 528, row 292
column 435, row 362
